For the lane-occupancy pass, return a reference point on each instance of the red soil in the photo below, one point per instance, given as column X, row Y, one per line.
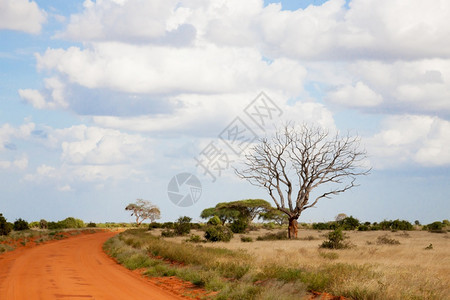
column 75, row 268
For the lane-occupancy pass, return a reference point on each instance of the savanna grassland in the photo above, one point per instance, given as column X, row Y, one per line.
column 378, row 264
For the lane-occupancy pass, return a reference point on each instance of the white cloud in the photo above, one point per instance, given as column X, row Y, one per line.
column 8, row 133
column 121, row 20
column 21, row 15
column 54, row 91
column 409, row 140
column 359, row 95
column 33, row 97
column 92, row 154
column 159, row 69
column 20, row 163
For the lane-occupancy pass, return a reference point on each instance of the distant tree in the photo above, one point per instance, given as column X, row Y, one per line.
column 5, row 228
column 143, row 210
column 349, row 223
column 43, row 224
column 340, row 217
column 223, row 213
column 297, row 161
column 232, row 211
column 417, row 222
column 183, row 225
column 247, row 209
column 21, row 224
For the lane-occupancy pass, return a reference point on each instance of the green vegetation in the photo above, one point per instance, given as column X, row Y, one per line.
column 336, row 240
column 20, row 224
column 218, row 233
column 183, row 225
column 237, row 275
column 5, row 227
column 246, row 239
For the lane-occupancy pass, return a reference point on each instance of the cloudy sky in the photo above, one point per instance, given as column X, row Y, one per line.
column 103, row 102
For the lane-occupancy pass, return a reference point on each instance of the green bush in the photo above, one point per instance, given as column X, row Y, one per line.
column 55, row 225
column 71, row 222
column 434, row 226
column 349, row 223
column 21, row 224
column 239, row 225
column 5, row 228
column 214, row 221
column 168, row 225
column 154, row 225
column 34, row 224
column 246, row 239
column 218, row 233
column 194, row 239
column 168, row 233
column 183, row 225
column 91, row 224
column 336, row 240
column 363, row 227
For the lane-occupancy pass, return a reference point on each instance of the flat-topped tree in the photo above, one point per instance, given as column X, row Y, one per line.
column 143, row 210
column 296, row 161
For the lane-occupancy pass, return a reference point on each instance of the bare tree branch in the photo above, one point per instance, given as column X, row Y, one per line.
column 303, row 159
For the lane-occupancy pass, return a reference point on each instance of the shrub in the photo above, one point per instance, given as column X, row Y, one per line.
column 349, row 223
column 246, row 239
column 239, row 225
column 385, row 240
column 218, row 233
column 401, row 225
column 71, row 222
column 215, row 221
column 282, row 235
column 5, row 228
column 55, row 225
column 168, row 225
column 168, row 233
column 194, row 239
column 434, row 226
column 91, row 224
column 153, row 225
column 183, row 225
column 43, row 224
column 34, row 224
column 335, row 240
column 363, row 228
column 21, row 224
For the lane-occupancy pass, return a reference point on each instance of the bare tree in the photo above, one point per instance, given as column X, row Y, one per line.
column 298, row 160
column 144, row 210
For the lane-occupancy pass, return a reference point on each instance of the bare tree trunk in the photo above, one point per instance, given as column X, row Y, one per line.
column 293, row 228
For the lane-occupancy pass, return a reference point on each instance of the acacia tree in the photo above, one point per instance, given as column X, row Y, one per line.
column 143, row 210
column 241, row 209
column 296, row 161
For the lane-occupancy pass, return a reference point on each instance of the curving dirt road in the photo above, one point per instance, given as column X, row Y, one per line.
column 76, row 268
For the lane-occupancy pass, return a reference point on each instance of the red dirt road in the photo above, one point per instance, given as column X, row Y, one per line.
column 75, row 268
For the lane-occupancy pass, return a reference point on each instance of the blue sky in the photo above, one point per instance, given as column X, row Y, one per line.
column 103, row 102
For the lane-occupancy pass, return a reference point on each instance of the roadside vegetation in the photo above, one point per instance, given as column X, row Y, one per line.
column 248, row 268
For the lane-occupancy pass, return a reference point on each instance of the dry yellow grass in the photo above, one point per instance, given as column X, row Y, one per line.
column 405, row 271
